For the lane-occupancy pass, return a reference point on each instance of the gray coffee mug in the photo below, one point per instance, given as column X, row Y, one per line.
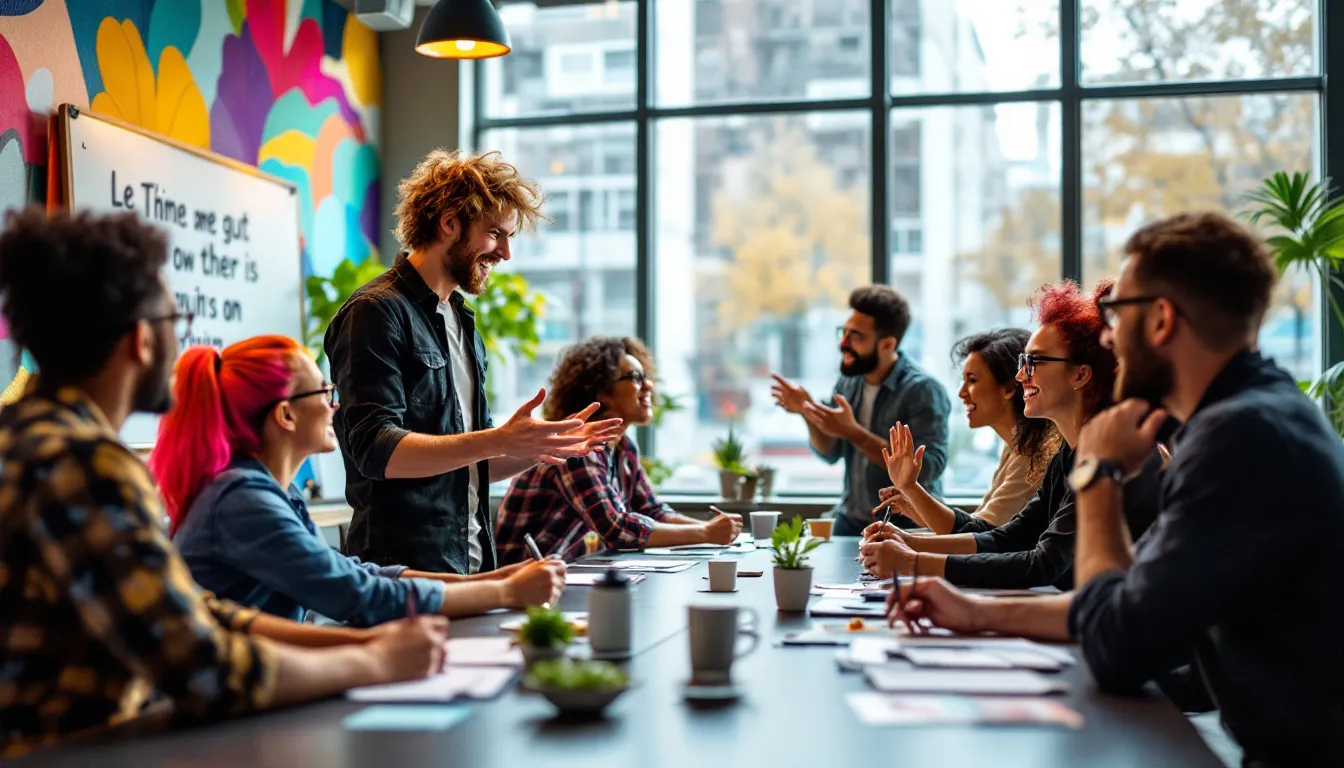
column 713, row 632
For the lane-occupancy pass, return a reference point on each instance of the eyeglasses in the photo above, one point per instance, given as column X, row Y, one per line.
column 1027, row 362
column 181, row 323
column 328, row 390
column 844, row 334
column 1106, row 307
column 636, row 377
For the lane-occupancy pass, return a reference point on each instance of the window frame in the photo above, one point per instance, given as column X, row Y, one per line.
column 1071, row 94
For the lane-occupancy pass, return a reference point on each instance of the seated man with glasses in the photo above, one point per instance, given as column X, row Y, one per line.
column 1067, row 376
column 244, row 421
column 878, row 388
column 605, row 492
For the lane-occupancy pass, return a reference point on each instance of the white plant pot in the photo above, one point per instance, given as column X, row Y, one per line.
column 792, row 588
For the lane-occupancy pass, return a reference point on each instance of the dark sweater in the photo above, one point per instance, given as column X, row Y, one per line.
column 1035, row 548
column 1241, row 572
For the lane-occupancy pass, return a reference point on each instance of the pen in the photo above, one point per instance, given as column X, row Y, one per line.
column 532, row 547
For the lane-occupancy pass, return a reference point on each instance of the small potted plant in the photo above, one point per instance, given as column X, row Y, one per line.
column 545, row 635
column 793, row 576
column 766, row 475
column 730, row 455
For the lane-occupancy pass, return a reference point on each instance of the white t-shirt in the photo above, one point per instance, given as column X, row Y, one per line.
column 464, row 386
column 866, row 402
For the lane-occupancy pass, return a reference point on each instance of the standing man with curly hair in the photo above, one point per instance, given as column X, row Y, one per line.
column 419, row 446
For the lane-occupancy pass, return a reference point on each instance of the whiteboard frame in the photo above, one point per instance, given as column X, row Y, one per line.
column 67, row 112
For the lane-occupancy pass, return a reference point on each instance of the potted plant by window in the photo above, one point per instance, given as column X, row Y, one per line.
column 793, row 576
column 545, row 635
column 766, row 478
column 730, row 456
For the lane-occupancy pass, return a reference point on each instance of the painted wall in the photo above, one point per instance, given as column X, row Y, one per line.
column 291, row 86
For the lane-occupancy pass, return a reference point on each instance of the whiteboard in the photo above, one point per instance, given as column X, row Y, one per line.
column 234, row 254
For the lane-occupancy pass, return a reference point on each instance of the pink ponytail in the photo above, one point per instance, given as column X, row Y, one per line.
column 217, row 412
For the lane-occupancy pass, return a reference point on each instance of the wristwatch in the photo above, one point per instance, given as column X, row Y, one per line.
column 1087, row 472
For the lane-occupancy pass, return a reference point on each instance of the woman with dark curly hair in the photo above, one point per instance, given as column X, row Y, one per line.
column 993, row 398
column 607, row 491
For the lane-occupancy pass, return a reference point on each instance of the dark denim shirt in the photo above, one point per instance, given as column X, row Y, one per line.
column 390, row 362
column 1241, row 571
column 908, row 395
column 248, row 540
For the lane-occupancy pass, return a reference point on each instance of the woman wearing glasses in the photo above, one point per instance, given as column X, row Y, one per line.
column 243, row 423
column 1067, row 376
column 605, row 492
column 992, row 398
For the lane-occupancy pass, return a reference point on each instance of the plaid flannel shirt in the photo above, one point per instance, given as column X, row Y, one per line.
column 97, row 611
column 606, row 492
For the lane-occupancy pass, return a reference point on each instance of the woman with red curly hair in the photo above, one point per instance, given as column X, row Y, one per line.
column 1067, row 376
column 605, row 492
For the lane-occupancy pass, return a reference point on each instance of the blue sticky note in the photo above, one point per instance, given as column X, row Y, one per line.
column 407, row 718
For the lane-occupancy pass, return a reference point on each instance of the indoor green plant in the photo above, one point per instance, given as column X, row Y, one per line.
column 326, row 295
column 766, row 475
column 545, row 635
column 793, row 576
column 1311, row 238
column 508, row 317
column 730, row 455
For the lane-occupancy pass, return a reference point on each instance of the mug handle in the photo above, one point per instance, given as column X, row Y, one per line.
column 750, row 631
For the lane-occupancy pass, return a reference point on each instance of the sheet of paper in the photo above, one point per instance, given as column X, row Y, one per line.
column 1021, row 658
column 483, row 652
column 457, row 682
column 635, row 564
column 880, row 709
column 865, row 651
column 588, row 579
column 847, row 606
column 406, row 718
column 991, row 644
column 899, row 679
column 953, row 658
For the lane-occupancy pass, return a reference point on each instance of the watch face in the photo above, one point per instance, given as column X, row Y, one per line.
column 1083, row 474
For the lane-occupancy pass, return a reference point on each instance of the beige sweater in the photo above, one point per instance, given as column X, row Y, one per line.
column 1009, row 489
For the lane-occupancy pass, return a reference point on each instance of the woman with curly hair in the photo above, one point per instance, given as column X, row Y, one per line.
column 1067, row 376
column 993, row 398
column 606, row 492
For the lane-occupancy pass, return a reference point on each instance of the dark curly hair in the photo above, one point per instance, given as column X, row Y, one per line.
column 889, row 309
column 591, row 368
column 75, row 283
column 1035, row 439
column 1079, row 323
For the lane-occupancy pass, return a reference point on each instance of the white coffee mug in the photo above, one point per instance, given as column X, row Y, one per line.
column 763, row 524
column 713, row 635
column 722, row 575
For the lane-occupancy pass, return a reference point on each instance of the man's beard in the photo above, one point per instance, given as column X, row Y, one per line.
column 462, row 265
column 861, row 366
column 154, row 391
column 1144, row 374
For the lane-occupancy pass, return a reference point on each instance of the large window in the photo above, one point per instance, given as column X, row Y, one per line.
column 721, row 173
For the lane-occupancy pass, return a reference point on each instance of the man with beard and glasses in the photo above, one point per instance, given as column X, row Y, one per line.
column 1229, row 601
column 414, row 428
column 99, row 615
column 878, row 388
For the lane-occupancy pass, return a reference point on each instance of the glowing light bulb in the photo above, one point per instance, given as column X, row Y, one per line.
column 465, row 45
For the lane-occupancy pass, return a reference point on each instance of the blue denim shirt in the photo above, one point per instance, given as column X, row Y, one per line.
column 248, row 540
column 908, row 395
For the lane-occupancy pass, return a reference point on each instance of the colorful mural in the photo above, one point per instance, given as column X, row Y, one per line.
column 291, row 86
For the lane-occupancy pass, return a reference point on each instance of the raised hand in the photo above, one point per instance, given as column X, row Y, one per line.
column 789, row 395
column 833, row 422
column 904, row 461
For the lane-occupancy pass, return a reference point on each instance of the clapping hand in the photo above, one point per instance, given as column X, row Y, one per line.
column 838, row 422
column 789, row 395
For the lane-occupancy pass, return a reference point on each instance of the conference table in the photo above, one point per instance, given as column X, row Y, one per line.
column 792, row 712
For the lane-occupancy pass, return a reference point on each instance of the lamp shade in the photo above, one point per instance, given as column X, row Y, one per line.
column 463, row 29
